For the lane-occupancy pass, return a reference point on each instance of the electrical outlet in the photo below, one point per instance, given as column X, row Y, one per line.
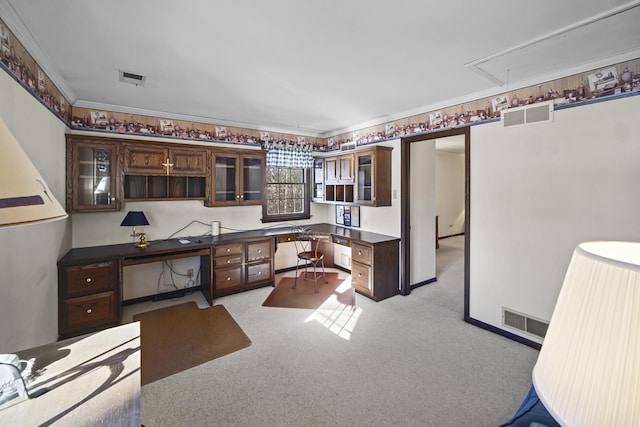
column 190, row 273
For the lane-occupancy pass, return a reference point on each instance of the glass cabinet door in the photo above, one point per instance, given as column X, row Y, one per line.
column 365, row 178
column 95, row 186
column 226, row 179
column 253, row 169
column 318, row 180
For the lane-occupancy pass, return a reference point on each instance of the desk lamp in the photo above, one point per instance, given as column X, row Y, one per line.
column 24, row 196
column 133, row 219
column 588, row 370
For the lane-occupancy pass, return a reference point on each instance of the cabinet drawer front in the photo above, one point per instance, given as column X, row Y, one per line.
column 227, row 261
column 89, row 279
column 259, row 273
column 228, row 277
column 86, row 312
column 361, row 276
column 361, row 253
column 258, row 250
column 284, row 238
column 231, row 249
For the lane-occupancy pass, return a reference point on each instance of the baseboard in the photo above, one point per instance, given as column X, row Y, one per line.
column 426, row 282
column 503, row 333
column 450, row 235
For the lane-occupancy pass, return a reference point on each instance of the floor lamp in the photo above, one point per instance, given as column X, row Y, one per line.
column 588, row 370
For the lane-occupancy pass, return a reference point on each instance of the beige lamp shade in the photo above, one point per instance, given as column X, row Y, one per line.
column 588, row 370
column 24, row 196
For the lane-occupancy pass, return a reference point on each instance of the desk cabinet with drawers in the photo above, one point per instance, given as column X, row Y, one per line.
column 375, row 269
column 89, row 298
column 241, row 266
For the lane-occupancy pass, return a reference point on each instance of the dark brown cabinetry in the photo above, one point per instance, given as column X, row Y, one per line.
column 239, row 266
column 374, row 176
column 92, row 174
column 154, row 172
column 361, row 178
column 238, row 178
column 374, row 269
column 89, row 298
column 339, row 179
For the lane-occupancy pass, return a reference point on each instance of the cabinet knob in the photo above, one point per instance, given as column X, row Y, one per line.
column 259, row 273
column 88, row 311
column 228, row 261
column 359, row 252
column 289, row 239
column 228, row 279
column 259, row 250
column 88, row 279
column 228, row 249
column 238, row 196
column 113, row 199
column 359, row 274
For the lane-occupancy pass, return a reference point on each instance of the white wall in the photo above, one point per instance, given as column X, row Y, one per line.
column 28, row 254
column 539, row 190
column 449, row 193
column 422, row 211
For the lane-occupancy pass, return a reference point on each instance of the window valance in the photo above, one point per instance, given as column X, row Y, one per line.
column 289, row 155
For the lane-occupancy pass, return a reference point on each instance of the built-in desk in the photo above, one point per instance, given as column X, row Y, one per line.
column 90, row 279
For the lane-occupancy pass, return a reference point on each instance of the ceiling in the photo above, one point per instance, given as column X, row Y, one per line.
column 317, row 67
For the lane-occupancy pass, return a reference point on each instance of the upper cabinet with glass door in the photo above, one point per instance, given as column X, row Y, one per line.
column 373, row 179
column 238, row 178
column 92, row 174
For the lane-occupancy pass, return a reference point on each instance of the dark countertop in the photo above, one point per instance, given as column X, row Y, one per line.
column 158, row 247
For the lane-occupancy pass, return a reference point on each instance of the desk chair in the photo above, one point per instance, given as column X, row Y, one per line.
column 307, row 243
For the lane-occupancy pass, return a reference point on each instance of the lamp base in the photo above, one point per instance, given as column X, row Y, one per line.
column 143, row 242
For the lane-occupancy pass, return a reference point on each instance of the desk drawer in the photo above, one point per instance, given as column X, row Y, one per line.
column 227, row 277
column 227, row 261
column 258, row 250
column 361, row 277
column 230, row 249
column 89, row 311
column 361, row 253
column 284, row 238
column 259, row 273
column 89, row 279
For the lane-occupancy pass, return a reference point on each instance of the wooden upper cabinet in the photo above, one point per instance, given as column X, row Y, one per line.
column 158, row 160
column 189, row 161
column 339, row 169
column 374, row 176
column 92, row 174
column 238, row 178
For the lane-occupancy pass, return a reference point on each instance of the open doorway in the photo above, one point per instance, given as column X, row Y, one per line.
column 416, row 212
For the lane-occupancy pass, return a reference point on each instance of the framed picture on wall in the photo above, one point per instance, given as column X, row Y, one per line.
column 339, row 214
column 355, row 216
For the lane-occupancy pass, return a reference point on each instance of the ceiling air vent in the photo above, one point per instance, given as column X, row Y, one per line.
column 132, row 78
column 524, row 323
column 534, row 113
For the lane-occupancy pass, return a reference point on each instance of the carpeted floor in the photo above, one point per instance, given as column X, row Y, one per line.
column 336, row 290
column 182, row 336
column 405, row 361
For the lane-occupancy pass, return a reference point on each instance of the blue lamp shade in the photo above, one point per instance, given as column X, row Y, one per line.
column 134, row 218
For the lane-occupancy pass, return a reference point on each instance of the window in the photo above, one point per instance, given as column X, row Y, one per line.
column 287, row 196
